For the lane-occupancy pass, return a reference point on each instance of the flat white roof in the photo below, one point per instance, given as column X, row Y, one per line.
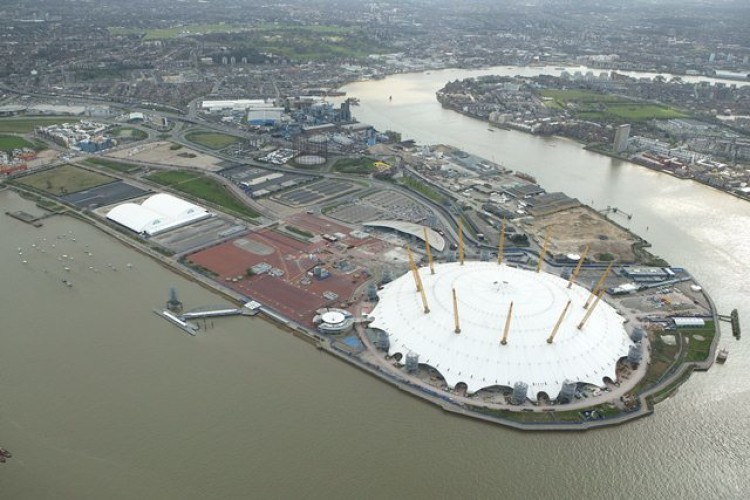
column 157, row 213
column 689, row 321
column 475, row 355
column 436, row 241
column 333, row 317
column 246, row 103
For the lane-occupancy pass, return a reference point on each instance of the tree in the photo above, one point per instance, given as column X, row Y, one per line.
column 393, row 136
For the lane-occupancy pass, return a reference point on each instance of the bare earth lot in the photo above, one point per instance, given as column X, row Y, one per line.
column 161, row 153
column 571, row 230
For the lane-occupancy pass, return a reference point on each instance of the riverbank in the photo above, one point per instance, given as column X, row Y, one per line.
column 513, row 417
column 595, row 148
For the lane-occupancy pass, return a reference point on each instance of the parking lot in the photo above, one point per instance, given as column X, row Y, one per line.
column 108, row 194
column 382, row 205
column 198, row 234
column 317, row 192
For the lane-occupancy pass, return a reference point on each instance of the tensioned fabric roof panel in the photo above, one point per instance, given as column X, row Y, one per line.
column 157, row 213
column 133, row 216
column 475, row 356
column 436, row 241
column 171, row 206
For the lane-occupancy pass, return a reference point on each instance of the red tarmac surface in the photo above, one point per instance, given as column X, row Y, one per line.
column 285, row 294
column 317, row 225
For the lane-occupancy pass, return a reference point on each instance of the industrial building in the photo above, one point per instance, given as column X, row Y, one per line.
column 259, row 111
column 622, row 134
column 264, row 115
column 485, row 324
column 156, row 214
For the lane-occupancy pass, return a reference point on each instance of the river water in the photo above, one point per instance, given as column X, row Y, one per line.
column 100, row 398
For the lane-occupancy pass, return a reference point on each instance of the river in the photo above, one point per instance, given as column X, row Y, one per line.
column 100, row 398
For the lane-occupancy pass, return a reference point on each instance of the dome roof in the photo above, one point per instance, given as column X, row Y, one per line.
column 475, row 356
column 157, row 213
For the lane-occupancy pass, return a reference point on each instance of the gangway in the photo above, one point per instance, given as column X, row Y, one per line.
column 210, row 313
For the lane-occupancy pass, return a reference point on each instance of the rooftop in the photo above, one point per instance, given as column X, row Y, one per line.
column 475, row 356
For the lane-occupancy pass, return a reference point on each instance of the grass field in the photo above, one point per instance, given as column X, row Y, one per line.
column 300, row 232
column 204, row 188
column 212, row 140
column 128, row 133
column 699, row 345
column 298, row 43
column 25, row 125
column 9, row 142
column 354, row 166
column 64, row 180
column 589, row 105
column 574, row 95
column 422, row 188
column 111, row 165
column 174, row 32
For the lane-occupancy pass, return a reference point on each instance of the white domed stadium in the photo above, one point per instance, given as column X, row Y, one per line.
column 476, row 356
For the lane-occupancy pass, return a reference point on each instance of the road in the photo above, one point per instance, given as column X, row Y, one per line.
column 192, row 117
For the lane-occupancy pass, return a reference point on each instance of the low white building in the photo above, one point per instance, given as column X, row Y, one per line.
column 157, row 213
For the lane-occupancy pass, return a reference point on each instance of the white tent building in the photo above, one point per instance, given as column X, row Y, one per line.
column 157, row 213
column 475, row 356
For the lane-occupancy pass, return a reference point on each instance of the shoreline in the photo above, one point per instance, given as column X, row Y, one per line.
column 589, row 147
column 646, row 399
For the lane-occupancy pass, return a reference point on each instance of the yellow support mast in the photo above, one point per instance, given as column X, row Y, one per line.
column 413, row 267
column 429, row 250
column 557, row 325
column 598, row 285
column 455, row 313
column 588, row 313
column 418, row 280
column 460, row 242
column 578, row 267
column 544, row 252
column 507, row 325
column 424, row 296
column 501, row 244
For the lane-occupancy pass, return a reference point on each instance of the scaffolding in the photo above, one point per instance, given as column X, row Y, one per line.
column 520, row 389
column 412, row 362
column 568, row 392
column 635, row 355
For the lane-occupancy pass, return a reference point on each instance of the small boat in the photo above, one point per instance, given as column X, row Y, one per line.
column 722, row 356
column 5, row 453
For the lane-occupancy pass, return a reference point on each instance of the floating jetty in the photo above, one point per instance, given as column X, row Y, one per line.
column 182, row 325
column 25, row 217
column 734, row 319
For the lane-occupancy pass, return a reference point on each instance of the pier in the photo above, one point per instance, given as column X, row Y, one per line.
column 211, row 313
